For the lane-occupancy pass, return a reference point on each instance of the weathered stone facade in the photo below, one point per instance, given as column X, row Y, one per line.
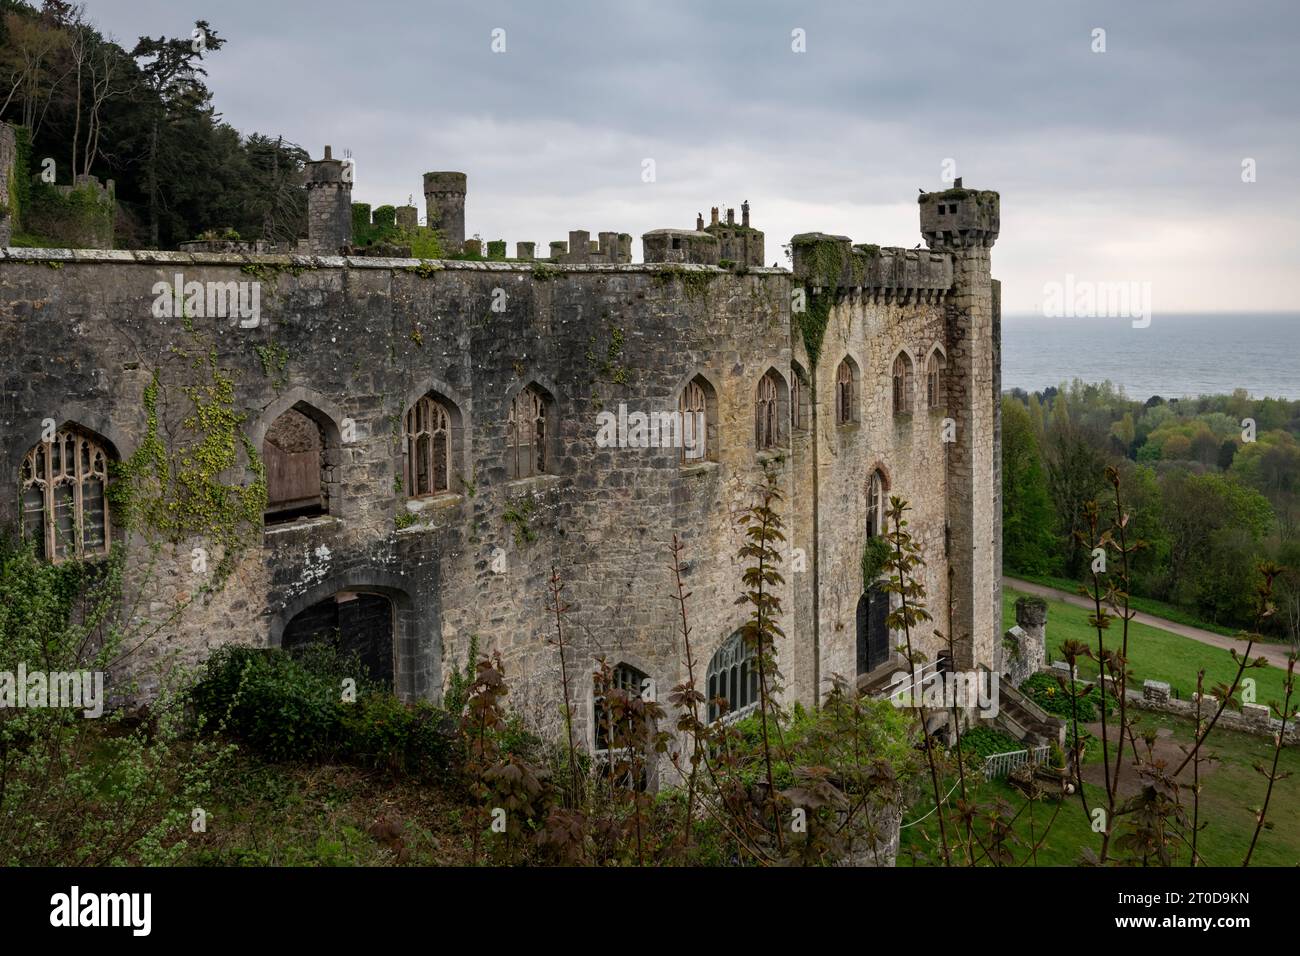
column 363, row 339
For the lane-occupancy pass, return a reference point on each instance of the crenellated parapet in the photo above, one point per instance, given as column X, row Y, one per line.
column 887, row 273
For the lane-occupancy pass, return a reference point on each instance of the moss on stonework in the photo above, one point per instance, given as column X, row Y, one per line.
column 695, row 282
column 518, row 514
column 425, row 269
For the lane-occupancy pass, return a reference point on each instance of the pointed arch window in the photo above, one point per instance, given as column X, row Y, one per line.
column 693, row 408
column 526, row 434
column 845, row 392
column 902, row 384
column 766, row 414
column 935, row 367
column 63, row 485
column 428, row 448
column 876, row 504
column 630, row 681
column 796, row 401
column 733, row 677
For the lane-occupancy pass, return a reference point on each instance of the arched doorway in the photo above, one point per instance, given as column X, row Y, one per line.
column 872, row 630
column 356, row 622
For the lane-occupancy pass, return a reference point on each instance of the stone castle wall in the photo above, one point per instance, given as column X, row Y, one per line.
column 363, row 339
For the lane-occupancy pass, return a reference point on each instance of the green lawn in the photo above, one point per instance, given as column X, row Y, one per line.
column 1231, row 791
column 1153, row 654
column 1170, row 612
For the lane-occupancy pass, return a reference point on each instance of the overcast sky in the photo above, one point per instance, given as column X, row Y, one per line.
column 1117, row 166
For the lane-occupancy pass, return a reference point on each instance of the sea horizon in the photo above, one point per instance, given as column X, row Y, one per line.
column 1178, row 355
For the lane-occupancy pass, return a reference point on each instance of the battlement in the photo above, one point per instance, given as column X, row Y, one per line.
column 960, row 218
column 825, row 261
column 611, row 248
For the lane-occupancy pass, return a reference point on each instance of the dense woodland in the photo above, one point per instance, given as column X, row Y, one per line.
column 1213, row 484
column 143, row 117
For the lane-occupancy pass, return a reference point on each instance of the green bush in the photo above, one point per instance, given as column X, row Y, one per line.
column 981, row 742
column 289, row 707
column 277, row 705
column 1046, row 691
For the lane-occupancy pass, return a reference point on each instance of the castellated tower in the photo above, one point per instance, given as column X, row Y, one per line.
column 964, row 223
column 444, row 202
column 329, row 205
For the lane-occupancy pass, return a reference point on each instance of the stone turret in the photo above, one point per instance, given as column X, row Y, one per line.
column 964, row 223
column 329, row 205
column 444, row 203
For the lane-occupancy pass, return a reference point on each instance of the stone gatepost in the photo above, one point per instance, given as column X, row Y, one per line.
column 1024, row 647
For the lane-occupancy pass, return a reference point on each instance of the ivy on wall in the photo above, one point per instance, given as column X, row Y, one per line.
column 188, row 489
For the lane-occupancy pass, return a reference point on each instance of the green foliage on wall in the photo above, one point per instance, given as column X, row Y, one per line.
column 186, row 490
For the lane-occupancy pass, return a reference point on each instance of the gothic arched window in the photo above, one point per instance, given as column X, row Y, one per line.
column 527, row 434
column 935, row 367
column 428, row 448
column 693, row 409
column 766, row 416
column 796, row 400
column 845, row 392
column 902, row 384
column 876, row 505
column 63, row 485
column 733, row 677
column 630, row 681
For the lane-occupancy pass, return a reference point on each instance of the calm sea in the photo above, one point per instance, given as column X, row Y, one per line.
column 1175, row 356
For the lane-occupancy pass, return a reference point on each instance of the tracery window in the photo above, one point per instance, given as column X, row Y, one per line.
column 63, row 485
column 630, row 681
column 733, row 677
column 902, row 384
column 428, row 448
column 935, row 368
column 766, row 420
column 692, row 407
column 526, row 434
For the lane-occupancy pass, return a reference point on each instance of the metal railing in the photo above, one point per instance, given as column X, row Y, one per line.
column 999, row 765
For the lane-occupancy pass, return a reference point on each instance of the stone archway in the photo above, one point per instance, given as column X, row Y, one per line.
column 359, row 623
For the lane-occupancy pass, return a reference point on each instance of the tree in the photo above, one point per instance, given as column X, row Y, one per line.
column 1027, row 542
column 173, row 70
column 1074, row 477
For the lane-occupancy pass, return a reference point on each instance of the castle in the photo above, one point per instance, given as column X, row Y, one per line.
column 429, row 437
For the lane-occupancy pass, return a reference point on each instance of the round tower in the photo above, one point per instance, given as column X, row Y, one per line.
column 329, row 205
column 444, row 202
